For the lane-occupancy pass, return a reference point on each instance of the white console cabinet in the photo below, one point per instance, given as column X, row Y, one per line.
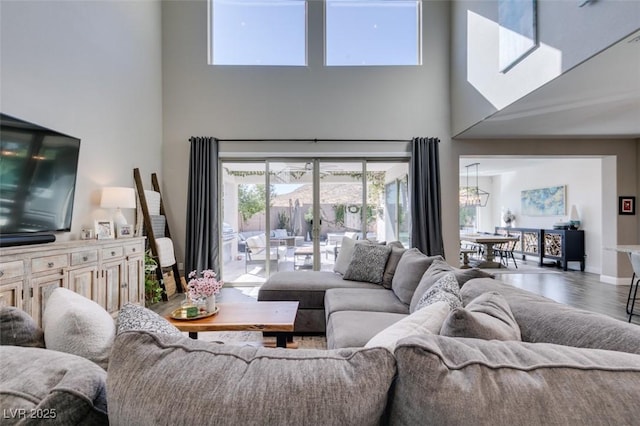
column 109, row 272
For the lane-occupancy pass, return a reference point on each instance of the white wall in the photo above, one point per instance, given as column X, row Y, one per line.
column 91, row 70
column 567, row 34
column 291, row 102
column 583, row 184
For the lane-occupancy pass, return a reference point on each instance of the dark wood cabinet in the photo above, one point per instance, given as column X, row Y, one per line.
column 561, row 245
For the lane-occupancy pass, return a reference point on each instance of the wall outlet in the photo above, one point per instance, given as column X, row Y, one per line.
column 180, row 266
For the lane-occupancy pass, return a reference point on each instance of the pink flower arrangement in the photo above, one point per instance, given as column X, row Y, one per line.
column 205, row 285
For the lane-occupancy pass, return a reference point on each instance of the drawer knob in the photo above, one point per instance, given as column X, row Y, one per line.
column 113, row 253
column 85, row 258
column 50, row 264
column 133, row 249
column 1, row 273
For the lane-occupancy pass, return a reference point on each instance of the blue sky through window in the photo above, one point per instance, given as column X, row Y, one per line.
column 274, row 32
column 259, row 32
column 366, row 32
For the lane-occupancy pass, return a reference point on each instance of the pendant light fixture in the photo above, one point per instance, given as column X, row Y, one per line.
column 473, row 196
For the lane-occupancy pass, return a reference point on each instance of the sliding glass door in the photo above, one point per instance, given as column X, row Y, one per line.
column 292, row 214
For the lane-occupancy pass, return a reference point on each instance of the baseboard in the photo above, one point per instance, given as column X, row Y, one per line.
column 615, row 280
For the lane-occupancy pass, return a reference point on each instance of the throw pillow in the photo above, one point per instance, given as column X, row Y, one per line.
column 445, row 289
column 77, row 325
column 427, row 320
column 368, row 263
column 136, row 317
column 345, row 252
column 392, row 263
column 487, row 317
column 436, row 271
column 17, row 328
column 411, row 267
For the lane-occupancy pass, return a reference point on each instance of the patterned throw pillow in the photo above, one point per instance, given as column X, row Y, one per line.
column 17, row 328
column 367, row 263
column 135, row 317
column 445, row 289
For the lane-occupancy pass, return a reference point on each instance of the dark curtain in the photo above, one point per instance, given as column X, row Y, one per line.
column 425, row 201
column 202, row 249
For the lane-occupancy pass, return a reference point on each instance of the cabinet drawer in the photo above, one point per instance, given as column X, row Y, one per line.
column 84, row 257
column 132, row 249
column 11, row 269
column 110, row 253
column 40, row 264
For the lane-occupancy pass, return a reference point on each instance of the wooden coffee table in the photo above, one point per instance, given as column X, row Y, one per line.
column 277, row 317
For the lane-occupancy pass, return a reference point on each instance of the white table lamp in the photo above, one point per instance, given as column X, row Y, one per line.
column 115, row 197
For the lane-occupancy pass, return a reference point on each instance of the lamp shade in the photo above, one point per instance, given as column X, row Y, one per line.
column 118, row 197
column 574, row 213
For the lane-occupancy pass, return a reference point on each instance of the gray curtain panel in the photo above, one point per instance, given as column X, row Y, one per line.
column 202, row 249
column 426, row 216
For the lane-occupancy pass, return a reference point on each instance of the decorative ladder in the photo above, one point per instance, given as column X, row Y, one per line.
column 151, row 237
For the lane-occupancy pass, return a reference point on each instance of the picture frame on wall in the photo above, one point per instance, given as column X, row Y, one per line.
column 626, row 205
column 104, row 229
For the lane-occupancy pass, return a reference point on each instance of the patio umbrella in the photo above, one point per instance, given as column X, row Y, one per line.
column 297, row 218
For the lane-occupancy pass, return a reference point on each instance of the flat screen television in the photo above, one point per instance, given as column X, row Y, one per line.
column 38, row 170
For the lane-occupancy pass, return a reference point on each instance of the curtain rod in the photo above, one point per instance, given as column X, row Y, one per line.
column 314, row 140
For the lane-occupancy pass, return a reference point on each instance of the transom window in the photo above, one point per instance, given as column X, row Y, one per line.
column 372, row 32
column 258, row 32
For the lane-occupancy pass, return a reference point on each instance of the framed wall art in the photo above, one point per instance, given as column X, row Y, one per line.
column 544, row 201
column 627, row 205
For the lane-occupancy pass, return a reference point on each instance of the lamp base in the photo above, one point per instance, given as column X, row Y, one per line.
column 119, row 219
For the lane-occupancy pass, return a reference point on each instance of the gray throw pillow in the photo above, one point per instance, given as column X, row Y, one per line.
column 345, row 252
column 411, row 267
column 368, row 263
column 445, row 289
column 487, row 317
column 436, row 271
column 17, row 328
column 136, row 317
column 392, row 263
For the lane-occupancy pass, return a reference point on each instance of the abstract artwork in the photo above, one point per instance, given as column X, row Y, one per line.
column 543, row 202
column 517, row 31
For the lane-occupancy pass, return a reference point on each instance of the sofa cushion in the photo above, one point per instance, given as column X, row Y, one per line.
column 445, row 289
column 368, row 263
column 411, row 267
column 59, row 388
column 362, row 299
column 460, row 381
column 234, row 385
column 353, row 329
column 543, row 320
column 425, row 320
column 17, row 328
column 488, row 317
column 392, row 263
column 437, row 270
column 344, row 254
column 306, row 287
column 136, row 317
column 76, row 325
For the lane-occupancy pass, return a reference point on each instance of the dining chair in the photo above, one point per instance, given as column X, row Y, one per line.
column 635, row 280
column 505, row 250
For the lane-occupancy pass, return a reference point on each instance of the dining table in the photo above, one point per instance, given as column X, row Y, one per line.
column 489, row 241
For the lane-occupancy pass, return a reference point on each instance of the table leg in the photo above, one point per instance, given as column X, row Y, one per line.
column 193, row 335
column 282, row 338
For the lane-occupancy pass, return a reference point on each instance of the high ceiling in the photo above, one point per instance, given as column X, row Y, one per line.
column 598, row 98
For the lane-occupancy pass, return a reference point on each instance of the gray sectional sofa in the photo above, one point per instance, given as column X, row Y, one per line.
column 562, row 366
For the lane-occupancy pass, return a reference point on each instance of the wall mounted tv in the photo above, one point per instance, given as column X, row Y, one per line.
column 38, row 169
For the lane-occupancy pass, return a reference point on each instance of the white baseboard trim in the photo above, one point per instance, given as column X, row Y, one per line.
column 615, row 280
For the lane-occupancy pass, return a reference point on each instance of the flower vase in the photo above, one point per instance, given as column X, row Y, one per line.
column 211, row 303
